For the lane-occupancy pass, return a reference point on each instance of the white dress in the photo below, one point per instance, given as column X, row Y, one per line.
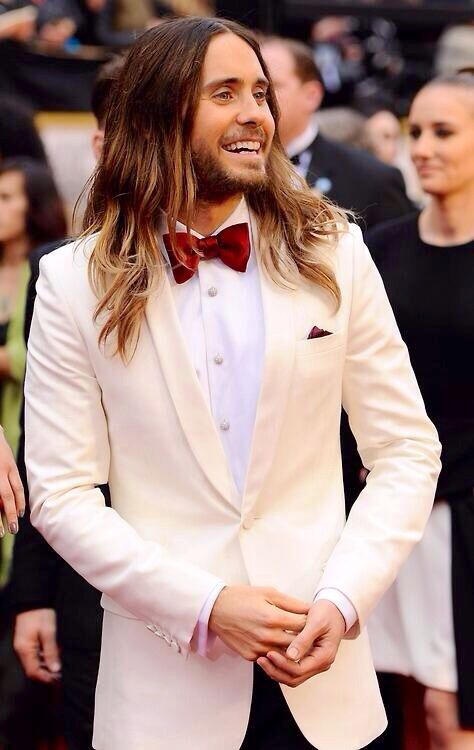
column 411, row 630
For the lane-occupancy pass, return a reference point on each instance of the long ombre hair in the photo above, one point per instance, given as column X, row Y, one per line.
column 146, row 167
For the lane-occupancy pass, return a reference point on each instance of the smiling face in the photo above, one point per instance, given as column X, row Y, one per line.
column 441, row 136
column 233, row 127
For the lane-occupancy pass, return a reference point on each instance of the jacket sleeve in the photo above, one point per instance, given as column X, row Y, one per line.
column 67, row 456
column 395, row 439
column 34, row 572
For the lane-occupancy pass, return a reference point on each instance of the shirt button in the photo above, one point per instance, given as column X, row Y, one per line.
column 218, row 359
column 212, row 291
column 224, row 425
column 247, row 524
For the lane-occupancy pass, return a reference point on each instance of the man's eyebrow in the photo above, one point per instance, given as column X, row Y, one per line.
column 233, row 82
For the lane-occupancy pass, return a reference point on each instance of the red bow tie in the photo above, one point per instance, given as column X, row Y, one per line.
column 231, row 245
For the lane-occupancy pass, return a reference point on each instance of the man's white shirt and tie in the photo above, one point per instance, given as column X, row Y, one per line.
column 221, row 316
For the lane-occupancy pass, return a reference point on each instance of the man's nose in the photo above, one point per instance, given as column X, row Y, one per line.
column 250, row 111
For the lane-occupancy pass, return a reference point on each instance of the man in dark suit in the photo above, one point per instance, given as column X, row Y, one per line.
column 347, row 175
column 58, row 615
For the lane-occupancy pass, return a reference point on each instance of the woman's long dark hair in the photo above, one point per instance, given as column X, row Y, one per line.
column 45, row 218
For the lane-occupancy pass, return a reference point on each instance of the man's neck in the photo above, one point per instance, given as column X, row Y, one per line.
column 209, row 216
column 303, row 140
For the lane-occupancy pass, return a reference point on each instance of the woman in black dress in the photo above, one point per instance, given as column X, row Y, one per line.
column 424, row 626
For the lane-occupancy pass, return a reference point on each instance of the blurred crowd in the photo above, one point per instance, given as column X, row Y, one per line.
column 407, row 172
column 66, row 24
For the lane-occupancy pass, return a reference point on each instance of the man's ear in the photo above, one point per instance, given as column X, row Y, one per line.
column 97, row 142
column 314, row 94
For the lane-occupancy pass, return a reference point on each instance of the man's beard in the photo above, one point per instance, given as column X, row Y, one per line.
column 215, row 183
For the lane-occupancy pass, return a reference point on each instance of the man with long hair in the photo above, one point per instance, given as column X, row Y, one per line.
column 193, row 350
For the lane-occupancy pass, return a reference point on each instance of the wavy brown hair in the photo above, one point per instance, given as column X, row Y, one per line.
column 146, row 168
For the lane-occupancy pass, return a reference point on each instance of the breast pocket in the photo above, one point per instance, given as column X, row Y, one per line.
column 319, row 355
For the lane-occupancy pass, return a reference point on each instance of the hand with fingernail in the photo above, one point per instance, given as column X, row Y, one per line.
column 310, row 652
column 35, row 644
column 12, row 498
column 251, row 620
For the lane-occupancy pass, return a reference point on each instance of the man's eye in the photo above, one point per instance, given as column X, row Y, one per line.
column 224, row 95
column 260, row 96
column 414, row 133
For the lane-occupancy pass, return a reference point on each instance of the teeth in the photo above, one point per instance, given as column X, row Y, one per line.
column 249, row 145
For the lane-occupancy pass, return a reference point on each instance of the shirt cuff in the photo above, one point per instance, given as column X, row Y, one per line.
column 344, row 605
column 203, row 638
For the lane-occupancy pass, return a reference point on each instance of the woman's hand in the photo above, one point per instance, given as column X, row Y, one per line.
column 12, row 497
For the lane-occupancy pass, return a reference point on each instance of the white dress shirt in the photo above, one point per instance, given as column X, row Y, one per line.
column 221, row 314
column 300, row 146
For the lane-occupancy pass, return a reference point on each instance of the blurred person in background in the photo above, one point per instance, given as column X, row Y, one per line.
column 339, row 56
column 30, row 214
column 343, row 124
column 108, row 23
column 18, row 133
column 82, row 22
column 424, row 625
column 58, row 620
column 455, row 48
column 384, row 134
column 384, row 138
column 348, row 176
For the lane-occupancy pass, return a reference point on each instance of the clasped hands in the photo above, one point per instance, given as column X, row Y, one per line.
column 289, row 639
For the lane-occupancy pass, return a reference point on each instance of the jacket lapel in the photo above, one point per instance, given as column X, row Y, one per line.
column 186, row 391
column 278, row 307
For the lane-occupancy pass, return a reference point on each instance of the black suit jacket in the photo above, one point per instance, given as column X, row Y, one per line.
column 358, row 181
column 40, row 578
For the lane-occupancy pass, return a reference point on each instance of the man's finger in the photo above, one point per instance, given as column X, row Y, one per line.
column 279, row 618
column 304, row 642
column 319, row 660
column 275, row 673
column 276, row 639
column 281, row 662
column 17, row 487
column 288, row 603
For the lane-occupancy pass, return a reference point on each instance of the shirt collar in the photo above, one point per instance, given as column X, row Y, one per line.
column 239, row 215
column 304, row 140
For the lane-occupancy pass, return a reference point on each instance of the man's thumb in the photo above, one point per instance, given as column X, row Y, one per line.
column 300, row 646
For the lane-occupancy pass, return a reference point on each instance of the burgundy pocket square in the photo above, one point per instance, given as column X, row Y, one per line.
column 317, row 333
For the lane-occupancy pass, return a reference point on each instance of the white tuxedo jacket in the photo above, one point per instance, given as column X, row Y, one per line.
column 177, row 524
